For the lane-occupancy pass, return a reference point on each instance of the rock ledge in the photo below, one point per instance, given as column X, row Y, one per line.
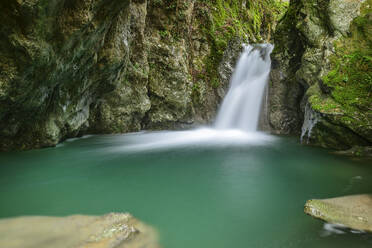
column 353, row 211
column 114, row 230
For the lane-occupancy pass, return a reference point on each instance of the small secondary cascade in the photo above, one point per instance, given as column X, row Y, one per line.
column 311, row 119
column 242, row 104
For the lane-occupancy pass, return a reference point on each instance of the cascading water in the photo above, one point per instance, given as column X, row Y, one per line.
column 242, row 104
column 311, row 119
column 237, row 120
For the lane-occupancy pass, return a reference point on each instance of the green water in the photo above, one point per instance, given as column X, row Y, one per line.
column 196, row 195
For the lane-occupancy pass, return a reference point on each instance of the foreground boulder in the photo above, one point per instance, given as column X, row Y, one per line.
column 354, row 211
column 113, row 230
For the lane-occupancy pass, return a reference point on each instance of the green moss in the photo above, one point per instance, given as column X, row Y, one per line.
column 220, row 21
column 195, row 87
column 224, row 20
column 321, row 103
column 350, row 78
column 164, row 33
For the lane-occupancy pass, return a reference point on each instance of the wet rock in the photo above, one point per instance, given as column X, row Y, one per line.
column 56, row 60
column 311, row 41
column 229, row 60
column 354, row 211
column 357, row 151
column 113, row 230
column 70, row 68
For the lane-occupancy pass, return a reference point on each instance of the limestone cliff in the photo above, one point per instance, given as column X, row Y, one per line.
column 321, row 81
column 71, row 67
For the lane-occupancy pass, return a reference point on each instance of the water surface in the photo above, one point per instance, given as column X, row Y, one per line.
column 206, row 189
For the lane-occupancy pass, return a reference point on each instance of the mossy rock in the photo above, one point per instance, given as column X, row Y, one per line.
column 322, row 67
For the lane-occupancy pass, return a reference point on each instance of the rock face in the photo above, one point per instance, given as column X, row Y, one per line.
column 75, row 67
column 321, row 79
column 354, row 212
column 113, row 230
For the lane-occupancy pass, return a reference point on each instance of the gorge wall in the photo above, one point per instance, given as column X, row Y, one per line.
column 72, row 67
column 321, row 80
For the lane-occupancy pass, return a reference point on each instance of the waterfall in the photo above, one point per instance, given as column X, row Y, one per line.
column 241, row 106
column 237, row 119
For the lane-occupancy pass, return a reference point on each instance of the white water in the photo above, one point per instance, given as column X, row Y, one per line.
column 311, row 119
column 242, row 104
column 189, row 139
column 237, row 120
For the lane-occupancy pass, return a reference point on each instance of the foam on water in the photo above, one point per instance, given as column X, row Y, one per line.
column 199, row 137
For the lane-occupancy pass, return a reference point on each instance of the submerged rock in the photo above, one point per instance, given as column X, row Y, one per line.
column 357, row 151
column 354, row 211
column 115, row 230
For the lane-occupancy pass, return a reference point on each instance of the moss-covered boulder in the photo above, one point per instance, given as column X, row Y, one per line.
column 321, row 82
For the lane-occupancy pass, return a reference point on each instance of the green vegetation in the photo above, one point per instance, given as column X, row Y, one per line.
column 164, row 33
column 219, row 21
column 351, row 74
column 350, row 79
column 225, row 20
column 325, row 105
